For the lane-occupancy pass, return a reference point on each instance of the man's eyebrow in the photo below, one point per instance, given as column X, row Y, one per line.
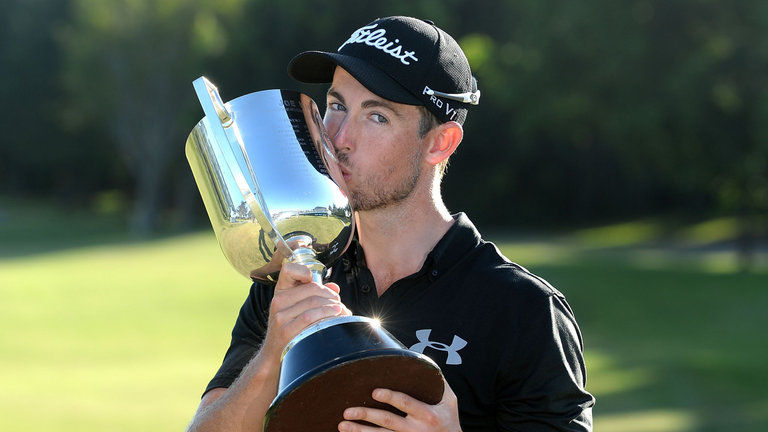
column 374, row 103
column 370, row 103
column 334, row 94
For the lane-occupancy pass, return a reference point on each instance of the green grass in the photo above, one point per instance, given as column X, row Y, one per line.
column 122, row 335
column 115, row 337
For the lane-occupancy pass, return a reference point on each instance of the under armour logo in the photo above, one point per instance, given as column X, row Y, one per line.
column 453, row 350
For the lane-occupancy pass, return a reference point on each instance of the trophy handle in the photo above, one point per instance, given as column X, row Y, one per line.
column 218, row 105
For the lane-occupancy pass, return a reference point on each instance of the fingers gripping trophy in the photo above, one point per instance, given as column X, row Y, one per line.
column 268, row 175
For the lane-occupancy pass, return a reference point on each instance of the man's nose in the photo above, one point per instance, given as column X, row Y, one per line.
column 342, row 136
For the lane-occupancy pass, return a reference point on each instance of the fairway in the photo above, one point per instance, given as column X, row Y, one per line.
column 118, row 338
column 124, row 336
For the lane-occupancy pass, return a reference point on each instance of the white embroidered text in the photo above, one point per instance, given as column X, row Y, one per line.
column 377, row 40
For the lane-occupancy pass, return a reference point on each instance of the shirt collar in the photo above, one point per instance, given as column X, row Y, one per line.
column 457, row 241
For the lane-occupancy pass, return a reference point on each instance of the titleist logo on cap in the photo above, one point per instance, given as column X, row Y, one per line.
column 377, row 39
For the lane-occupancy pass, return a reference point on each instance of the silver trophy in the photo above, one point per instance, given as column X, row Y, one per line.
column 270, row 182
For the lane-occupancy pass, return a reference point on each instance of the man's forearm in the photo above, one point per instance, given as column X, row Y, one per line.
column 243, row 405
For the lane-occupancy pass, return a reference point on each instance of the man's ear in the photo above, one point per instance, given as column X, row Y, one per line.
column 444, row 140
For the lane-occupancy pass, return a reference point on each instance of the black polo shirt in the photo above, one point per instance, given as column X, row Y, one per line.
column 506, row 341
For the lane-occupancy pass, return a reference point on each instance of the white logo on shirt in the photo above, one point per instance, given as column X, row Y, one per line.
column 453, row 350
column 377, row 40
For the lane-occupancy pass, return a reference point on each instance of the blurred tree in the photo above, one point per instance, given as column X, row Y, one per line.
column 566, row 111
column 31, row 153
column 590, row 110
column 128, row 65
column 719, row 99
column 608, row 109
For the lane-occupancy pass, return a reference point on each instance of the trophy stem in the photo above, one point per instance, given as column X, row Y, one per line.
column 307, row 257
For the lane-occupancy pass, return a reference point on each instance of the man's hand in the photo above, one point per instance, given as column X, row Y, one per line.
column 297, row 303
column 420, row 417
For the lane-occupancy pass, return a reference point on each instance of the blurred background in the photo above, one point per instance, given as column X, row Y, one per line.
column 620, row 150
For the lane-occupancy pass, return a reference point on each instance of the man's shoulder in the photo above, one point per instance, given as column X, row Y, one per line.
column 486, row 262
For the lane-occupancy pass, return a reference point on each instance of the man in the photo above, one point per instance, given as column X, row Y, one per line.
column 506, row 341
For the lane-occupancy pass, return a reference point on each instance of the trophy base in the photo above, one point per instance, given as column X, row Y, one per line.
column 317, row 400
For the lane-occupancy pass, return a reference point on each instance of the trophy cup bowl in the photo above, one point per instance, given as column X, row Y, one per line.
column 273, row 191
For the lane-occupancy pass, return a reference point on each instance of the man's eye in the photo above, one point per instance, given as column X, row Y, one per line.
column 379, row 118
column 335, row 106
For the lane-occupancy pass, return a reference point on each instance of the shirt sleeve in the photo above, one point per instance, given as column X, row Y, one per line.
column 247, row 335
column 543, row 383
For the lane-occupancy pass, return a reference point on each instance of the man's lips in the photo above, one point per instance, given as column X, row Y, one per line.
column 345, row 172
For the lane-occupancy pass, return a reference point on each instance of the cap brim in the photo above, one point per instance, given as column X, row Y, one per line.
column 318, row 66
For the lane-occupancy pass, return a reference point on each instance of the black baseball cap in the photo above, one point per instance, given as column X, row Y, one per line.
column 402, row 59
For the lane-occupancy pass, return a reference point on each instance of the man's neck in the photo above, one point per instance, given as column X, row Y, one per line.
column 397, row 239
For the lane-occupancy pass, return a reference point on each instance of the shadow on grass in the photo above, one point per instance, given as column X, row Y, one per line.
column 30, row 228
